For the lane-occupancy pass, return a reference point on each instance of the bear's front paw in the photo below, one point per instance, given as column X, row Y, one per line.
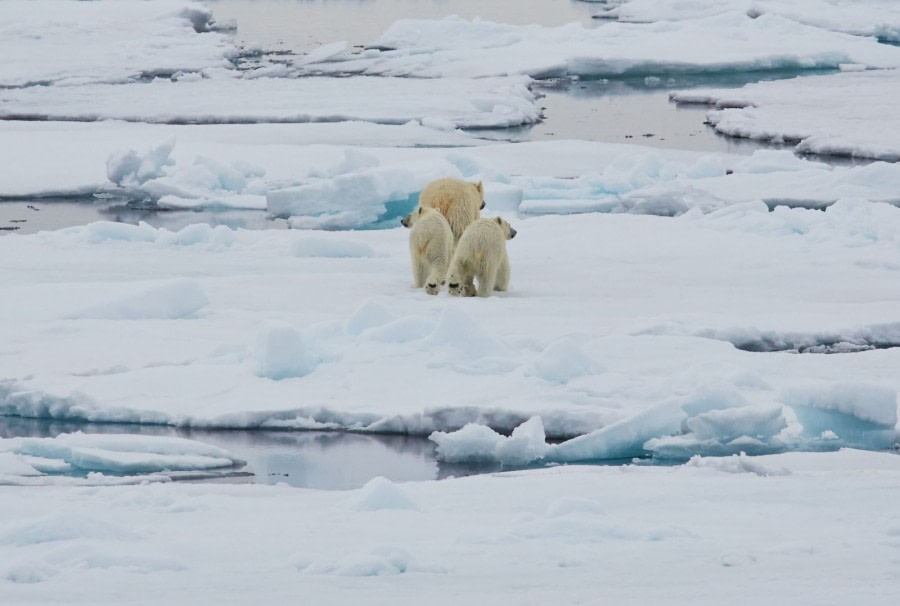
column 432, row 289
column 468, row 290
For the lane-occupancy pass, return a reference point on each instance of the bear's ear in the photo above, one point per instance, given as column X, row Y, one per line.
column 479, row 187
column 499, row 221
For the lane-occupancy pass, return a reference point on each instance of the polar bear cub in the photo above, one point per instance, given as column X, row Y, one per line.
column 460, row 201
column 481, row 255
column 430, row 247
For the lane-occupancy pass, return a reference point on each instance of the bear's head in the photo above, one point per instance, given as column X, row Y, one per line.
column 506, row 227
column 415, row 215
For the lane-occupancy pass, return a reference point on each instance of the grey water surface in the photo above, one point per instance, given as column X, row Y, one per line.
column 327, row 460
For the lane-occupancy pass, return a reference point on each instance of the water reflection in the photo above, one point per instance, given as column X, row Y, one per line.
column 41, row 214
column 309, row 459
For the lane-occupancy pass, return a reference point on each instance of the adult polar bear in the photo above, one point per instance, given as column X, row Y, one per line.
column 481, row 254
column 460, row 201
column 430, row 247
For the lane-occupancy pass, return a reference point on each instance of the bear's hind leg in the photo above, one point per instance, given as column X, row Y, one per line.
column 420, row 272
column 486, row 283
column 502, row 282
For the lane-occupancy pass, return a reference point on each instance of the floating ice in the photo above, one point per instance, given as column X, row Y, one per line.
column 446, row 104
column 106, row 42
column 841, row 114
column 476, row 443
column 846, row 414
column 154, row 175
column 731, row 41
column 879, row 18
column 90, row 456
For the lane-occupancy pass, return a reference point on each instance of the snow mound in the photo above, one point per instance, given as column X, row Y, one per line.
column 282, row 352
column 171, row 300
column 381, row 561
column 380, row 493
column 561, row 362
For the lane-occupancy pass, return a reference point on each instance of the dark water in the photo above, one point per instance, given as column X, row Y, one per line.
column 309, row 459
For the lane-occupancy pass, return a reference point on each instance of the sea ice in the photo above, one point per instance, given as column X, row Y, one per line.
column 73, row 43
column 841, row 114
column 730, row 41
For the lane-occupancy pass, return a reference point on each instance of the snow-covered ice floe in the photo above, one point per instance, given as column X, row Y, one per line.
column 843, row 114
column 445, row 104
column 108, row 459
column 731, row 41
column 72, row 43
column 628, row 335
column 876, row 18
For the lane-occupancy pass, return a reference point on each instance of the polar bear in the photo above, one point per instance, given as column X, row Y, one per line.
column 430, row 247
column 460, row 201
column 481, row 254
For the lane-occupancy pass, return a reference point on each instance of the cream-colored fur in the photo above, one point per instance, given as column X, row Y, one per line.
column 460, row 201
column 481, row 255
column 430, row 247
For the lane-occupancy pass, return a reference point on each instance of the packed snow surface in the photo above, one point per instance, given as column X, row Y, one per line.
column 565, row 534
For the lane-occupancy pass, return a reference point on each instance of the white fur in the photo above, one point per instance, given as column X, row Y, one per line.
column 430, row 247
column 481, row 255
column 459, row 201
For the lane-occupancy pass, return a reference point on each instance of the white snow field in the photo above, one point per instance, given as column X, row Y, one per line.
column 798, row 528
column 733, row 317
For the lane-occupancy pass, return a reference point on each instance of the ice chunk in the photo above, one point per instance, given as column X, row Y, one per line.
column 502, row 197
column 282, row 352
column 476, row 443
column 473, row 443
column 130, row 169
column 625, row 438
column 871, row 405
column 731, row 423
column 526, row 444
